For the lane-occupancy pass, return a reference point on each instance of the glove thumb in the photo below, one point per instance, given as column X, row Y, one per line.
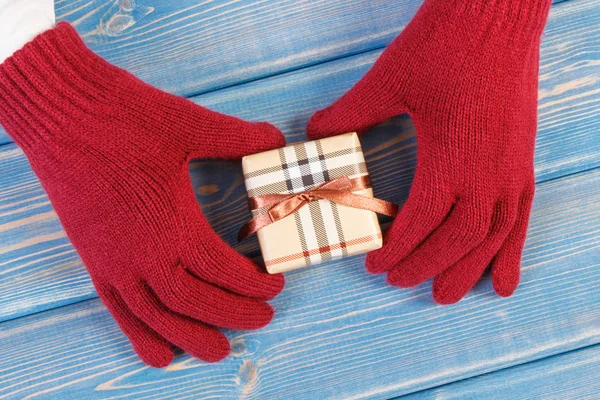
column 374, row 99
column 209, row 134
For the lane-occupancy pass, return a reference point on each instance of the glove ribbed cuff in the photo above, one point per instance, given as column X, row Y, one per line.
column 54, row 79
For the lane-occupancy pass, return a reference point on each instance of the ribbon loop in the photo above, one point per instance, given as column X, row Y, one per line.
column 339, row 190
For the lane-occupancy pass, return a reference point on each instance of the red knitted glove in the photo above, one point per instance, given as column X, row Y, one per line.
column 467, row 72
column 112, row 154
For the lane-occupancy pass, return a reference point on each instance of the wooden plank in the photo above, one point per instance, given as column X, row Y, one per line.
column 569, row 94
column 340, row 332
column 189, row 47
column 572, row 375
column 40, row 270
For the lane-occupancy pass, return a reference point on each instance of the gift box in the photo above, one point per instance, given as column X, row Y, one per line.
column 312, row 202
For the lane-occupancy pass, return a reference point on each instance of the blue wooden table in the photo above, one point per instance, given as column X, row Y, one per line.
column 338, row 332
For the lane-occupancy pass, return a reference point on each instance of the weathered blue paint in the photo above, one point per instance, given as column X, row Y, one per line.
column 338, row 332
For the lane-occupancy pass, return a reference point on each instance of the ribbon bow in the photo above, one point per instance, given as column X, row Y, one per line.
column 339, row 190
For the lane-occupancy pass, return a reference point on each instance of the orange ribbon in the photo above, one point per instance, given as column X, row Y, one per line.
column 339, row 190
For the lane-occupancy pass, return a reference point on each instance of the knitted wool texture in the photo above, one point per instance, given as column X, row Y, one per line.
column 112, row 153
column 467, row 73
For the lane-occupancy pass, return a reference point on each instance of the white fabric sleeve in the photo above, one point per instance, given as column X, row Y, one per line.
column 21, row 21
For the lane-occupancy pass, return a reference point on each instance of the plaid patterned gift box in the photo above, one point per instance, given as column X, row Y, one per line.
column 320, row 230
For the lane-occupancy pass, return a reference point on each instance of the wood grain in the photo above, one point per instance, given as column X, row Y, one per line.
column 572, row 375
column 340, row 332
column 40, row 270
column 190, row 47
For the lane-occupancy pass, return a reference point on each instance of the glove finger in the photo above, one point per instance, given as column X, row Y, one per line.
column 453, row 284
column 209, row 258
column 506, row 267
column 374, row 99
column 187, row 295
column 423, row 212
column 224, row 267
column 466, row 227
column 194, row 337
column 152, row 348
column 209, row 134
